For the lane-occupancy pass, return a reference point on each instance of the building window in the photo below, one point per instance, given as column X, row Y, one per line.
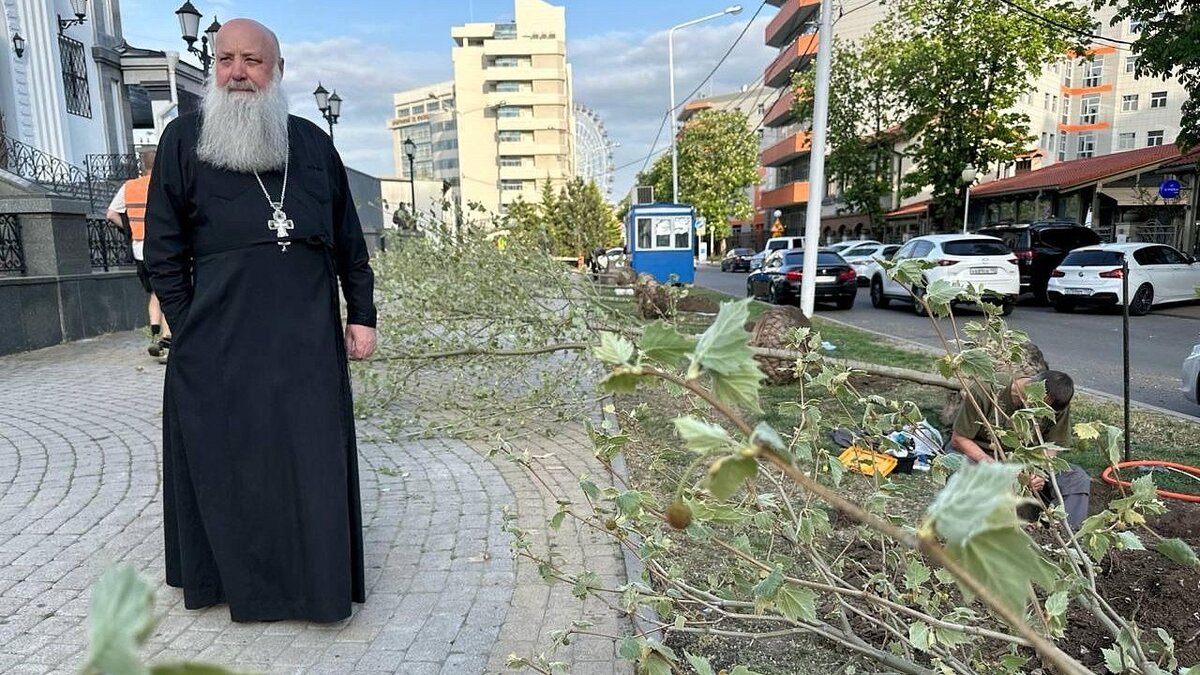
column 1046, row 102
column 512, row 161
column 1054, row 104
column 402, row 112
column 1045, row 137
column 448, row 104
column 74, row 74
column 505, row 31
column 1154, row 138
column 512, row 185
column 1136, row 26
column 1158, row 99
column 1131, row 64
column 1067, row 68
column 1087, row 145
column 446, row 144
column 1089, row 109
column 508, row 111
column 1127, row 141
column 508, row 86
column 1093, row 72
column 418, row 109
column 506, row 62
column 1129, row 102
column 510, row 136
column 1062, row 148
column 1066, row 109
column 446, row 164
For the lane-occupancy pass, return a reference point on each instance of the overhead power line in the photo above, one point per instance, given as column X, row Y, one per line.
column 1077, row 31
column 671, row 113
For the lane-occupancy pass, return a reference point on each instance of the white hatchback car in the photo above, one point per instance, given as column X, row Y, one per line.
column 842, row 246
column 965, row 259
column 1091, row 275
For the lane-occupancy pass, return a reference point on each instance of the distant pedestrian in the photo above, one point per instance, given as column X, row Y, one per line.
column 128, row 211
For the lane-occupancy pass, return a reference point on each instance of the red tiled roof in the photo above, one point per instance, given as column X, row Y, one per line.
column 1066, row 175
column 911, row 209
column 1191, row 157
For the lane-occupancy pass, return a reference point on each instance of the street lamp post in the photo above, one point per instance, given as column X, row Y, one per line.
column 189, row 26
column 968, row 177
column 410, row 151
column 330, row 106
column 734, row 9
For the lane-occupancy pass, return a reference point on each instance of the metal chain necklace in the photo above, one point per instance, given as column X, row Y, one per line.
column 279, row 220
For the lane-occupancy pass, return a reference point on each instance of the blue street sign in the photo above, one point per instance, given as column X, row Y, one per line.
column 1169, row 189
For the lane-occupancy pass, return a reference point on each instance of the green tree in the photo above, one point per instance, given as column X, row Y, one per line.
column 588, row 220
column 864, row 111
column 1168, row 46
column 957, row 67
column 718, row 160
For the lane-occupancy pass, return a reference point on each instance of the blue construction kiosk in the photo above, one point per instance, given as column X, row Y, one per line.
column 661, row 238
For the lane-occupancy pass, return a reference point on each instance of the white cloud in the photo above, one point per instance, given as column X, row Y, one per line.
column 623, row 77
column 365, row 76
column 620, row 75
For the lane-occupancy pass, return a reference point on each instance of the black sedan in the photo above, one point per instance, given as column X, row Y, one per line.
column 737, row 260
column 778, row 282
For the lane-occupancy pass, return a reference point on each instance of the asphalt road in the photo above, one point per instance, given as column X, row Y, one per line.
column 1086, row 344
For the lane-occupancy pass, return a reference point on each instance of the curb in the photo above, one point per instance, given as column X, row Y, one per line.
column 1148, row 407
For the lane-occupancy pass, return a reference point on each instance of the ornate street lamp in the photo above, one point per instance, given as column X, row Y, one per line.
column 329, row 105
column 410, row 151
column 189, row 27
column 80, row 9
column 968, row 177
column 18, row 44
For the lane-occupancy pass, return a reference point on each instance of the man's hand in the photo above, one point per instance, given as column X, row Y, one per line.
column 360, row 341
column 970, row 448
column 1036, row 483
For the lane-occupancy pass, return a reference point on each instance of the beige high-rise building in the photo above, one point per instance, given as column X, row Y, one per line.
column 425, row 115
column 512, row 88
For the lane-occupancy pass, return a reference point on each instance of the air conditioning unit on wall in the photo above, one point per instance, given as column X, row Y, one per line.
column 643, row 194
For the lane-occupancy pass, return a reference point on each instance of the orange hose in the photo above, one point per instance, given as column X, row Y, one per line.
column 1107, row 477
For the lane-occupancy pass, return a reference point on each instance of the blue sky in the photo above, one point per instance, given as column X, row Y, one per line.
column 369, row 49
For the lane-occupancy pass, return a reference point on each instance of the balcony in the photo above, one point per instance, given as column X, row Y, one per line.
column 780, row 112
column 790, row 194
column 530, row 123
column 521, row 73
column 786, row 150
column 523, row 98
column 525, row 172
column 790, row 58
column 524, row 47
column 792, row 15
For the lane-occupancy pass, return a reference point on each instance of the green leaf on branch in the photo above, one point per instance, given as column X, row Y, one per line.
column 911, row 271
column 585, row 583
column 977, row 363
column 614, row 350
column 919, row 636
column 765, row 435
column 1178, row 550
column 624, row 381
column 664, row 345
column 629, row 503
column 740, row 387
column 940, row 294
column 120, row 619
column 766, row 590
column 977, row 498
column 727, row 474
column 797, row 603
column 1005, row 561
column 916, row 575
column 699, row 664
column 701, row 436
column 724, row 346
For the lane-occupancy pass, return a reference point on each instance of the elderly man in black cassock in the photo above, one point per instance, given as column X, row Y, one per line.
column 250, row 227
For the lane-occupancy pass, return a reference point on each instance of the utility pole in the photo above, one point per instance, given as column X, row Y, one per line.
column 816, row 171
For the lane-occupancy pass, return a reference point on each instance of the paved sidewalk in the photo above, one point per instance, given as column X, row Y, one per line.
column 80, row 490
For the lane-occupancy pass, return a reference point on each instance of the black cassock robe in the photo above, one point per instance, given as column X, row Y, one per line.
column 260, row 470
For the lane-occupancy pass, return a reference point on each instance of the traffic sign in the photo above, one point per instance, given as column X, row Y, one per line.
column 1169, row 189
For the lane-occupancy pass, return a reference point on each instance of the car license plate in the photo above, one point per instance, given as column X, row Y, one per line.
column 1077, row 291
column 826, row 280
column 984, row 270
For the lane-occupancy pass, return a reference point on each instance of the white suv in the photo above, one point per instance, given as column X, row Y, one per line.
column 986, row 262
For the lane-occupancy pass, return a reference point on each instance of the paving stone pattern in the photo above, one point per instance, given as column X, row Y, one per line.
column 80, row 477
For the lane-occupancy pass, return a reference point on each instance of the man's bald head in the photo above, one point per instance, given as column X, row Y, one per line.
column 247, row 54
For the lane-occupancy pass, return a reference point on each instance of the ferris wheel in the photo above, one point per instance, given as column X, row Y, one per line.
column 593, row 150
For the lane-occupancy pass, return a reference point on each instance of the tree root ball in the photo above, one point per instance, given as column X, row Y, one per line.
column 653, row 299
column 771, row 331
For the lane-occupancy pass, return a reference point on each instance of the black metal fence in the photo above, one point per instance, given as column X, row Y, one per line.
column 108, row 244
column 95, row 183
column 12, row 250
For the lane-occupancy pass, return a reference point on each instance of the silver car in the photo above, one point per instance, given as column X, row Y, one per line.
column 1191, row 375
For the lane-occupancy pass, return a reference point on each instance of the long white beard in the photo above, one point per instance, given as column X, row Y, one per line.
column 244, row 132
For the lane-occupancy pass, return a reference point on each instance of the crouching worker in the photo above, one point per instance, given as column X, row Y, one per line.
column 997, row 403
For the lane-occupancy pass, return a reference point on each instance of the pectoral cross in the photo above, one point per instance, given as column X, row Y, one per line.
column 281, row 224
